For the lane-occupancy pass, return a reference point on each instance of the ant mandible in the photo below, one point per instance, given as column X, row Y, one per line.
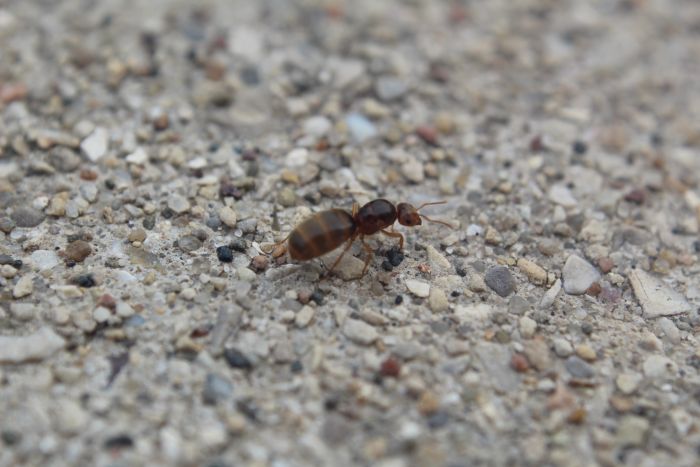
column 325, row 231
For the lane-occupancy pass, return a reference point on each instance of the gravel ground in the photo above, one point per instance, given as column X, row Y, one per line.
column 150, row 150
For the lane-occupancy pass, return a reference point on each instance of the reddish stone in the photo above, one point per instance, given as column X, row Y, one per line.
column 605, row 264
column 390, row 367
column 594, row 289
column 428, row 134
column 88, row 174
column 636, row 196
column 519, row 363
column 107, row 301
column 536, row 144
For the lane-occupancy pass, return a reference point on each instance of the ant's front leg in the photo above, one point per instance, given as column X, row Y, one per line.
column 395, row 235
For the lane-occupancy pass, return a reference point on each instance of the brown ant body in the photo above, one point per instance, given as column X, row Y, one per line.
column 327, row 230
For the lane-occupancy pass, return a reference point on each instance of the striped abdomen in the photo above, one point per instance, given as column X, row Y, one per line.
column 321, row 233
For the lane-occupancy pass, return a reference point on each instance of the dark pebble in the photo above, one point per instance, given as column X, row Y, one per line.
column 27, row 217
column 109, row 184
column 578, row 368
column 499, row 279
column 317, row 297
column 395, row 256
column 119, row 442
column 167, row 213
column 227, row 190
column 580, row 148
column 149, row 222
column 225, row 254
column 387, row 266
column 296, row 366
column 237, row 359
column 85, row 280
column 696, row 246
column 438, row 419
column 238, row 244
column 398, row 300
column 587, row 328
column 10, row 437
column 216, row 389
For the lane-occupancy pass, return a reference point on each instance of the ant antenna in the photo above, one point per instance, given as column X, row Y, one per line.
column 433, row 220
column 430, row 204
column 436, row 221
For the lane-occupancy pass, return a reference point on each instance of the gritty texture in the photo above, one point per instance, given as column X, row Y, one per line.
column 151, row 153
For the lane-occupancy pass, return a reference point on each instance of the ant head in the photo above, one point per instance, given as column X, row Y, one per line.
column 408, row 215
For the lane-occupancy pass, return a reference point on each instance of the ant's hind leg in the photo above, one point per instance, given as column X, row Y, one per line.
column 395, row 235
column 337, row 260
column 370, row 255
column 267, row 249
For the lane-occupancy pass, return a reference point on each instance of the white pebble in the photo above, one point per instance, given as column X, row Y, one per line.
column 42, row 344
column 578, row 275
column 418, row 288
column 297, row 157
column 228, row 216
column 24, row 286
column 44, row 259
column 95, row 145
column 138, row 157
column 359, row 332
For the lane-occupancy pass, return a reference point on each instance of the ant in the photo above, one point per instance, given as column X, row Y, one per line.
column 327, row 230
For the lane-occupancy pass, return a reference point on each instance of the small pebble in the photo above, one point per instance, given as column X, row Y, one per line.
column 27, row 217
column 178, row 204
column 225, row 254
column 304, row 316
column 499, row 279
column 360, row 332
column 578, row 275
column 189, row 243
column 42, row 344
column 237, row 359
column 84, row 280
column 216, row 389
column 77, row 251
column 578, row 368
column 96, row 144
column 586, row 352
column 437, row 300
column 562, row 347
column 24, row 286
column 628, row 383
column 519, row 363
column 388, row 88
column 137, row 235
column 390, row 367
column 228, row 216
column 533, row 271
column 259, row 262
column 418, row 288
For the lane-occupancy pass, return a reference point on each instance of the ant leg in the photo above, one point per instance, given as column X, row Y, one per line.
column 335, row 263
column 270, row 247
column 370, row 255
column 395, row 235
